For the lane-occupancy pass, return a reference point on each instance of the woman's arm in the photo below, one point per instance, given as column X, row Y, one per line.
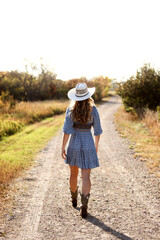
column 64, row 142
column 96, row 137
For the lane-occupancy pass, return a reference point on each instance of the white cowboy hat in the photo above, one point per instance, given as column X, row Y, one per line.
column 80, row 92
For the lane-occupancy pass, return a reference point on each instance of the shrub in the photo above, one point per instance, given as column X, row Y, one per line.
column 142, row 91
column 8, row 127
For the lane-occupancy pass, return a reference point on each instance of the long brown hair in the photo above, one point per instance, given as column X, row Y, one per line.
column 81, row 110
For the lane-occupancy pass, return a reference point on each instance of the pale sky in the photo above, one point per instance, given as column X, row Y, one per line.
column 78, row 38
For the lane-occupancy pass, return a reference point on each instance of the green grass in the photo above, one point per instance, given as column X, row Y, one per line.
column 17, row 152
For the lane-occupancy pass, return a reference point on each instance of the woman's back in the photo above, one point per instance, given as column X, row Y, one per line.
column 81, row 150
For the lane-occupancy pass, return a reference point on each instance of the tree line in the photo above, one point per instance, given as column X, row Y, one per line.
column 24, row 86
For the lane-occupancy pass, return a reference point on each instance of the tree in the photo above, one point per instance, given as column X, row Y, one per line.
column 141, row 91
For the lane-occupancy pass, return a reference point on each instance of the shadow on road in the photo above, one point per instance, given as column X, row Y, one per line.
column 95, row 221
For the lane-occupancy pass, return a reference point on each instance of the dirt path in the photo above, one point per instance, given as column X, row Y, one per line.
column 124, row 196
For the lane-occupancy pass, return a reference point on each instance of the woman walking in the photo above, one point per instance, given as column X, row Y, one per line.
column 82, row 149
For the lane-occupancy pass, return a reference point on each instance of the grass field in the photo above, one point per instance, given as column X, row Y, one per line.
column 144, row 135
column 17, row 151
column 35, row 111
column 13, row 120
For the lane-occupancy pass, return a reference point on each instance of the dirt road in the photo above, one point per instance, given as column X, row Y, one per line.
column 124, row 196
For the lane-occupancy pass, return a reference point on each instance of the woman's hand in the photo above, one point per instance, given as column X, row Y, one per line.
column 64, row 142
column 63, row 154
column 97, row 137
column 96, row 149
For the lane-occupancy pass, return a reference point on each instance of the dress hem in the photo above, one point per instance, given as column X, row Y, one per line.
column 79, row 166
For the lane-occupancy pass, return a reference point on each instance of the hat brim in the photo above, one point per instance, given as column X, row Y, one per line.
column 72, row 94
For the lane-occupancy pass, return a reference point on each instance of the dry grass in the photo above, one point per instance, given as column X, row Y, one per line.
column 152, row 122
column 35, row 111
column 12, row 120
column 23, row 110
column 143, row 136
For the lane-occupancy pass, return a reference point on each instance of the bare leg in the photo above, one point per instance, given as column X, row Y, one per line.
column 86, row 183
column 73, row 178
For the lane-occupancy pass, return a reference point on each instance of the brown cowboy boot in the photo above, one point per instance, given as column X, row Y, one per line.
column 74, row 197
column 84, row 201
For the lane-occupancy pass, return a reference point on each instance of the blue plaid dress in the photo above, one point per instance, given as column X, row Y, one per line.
column 81, row 150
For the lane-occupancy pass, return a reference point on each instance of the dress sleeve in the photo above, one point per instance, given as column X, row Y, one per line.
column 68, row 123
column 96, row 122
